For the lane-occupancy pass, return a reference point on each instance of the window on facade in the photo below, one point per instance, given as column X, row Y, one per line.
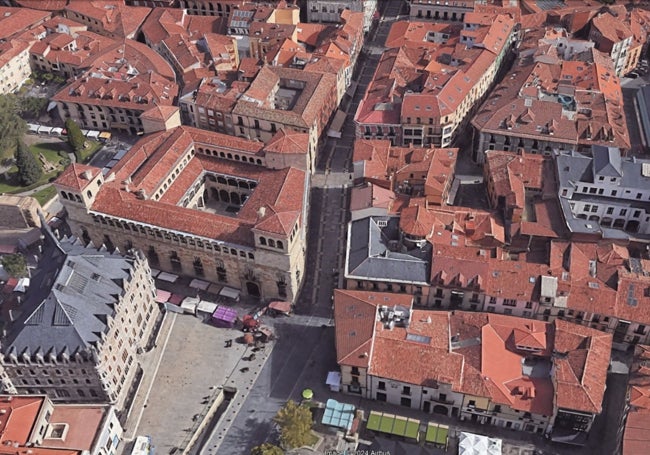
column 272, row 243
column 175, row 262
column 153, row 256
column 282, row 287
column 198, row 266
column 381, row 385
column 221, row 272
column 263, row 241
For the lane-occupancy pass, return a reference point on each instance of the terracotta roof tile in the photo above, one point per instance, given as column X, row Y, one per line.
column 476, row 353
column 16, row 20
column 148, row 164
column 77, row 176
column 19, row 416
column 115, row 16
column 289, row 142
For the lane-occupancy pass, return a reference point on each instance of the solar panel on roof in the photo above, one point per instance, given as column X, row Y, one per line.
column 418, row 338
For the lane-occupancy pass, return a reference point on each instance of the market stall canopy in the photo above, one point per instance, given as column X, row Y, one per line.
column 392, row 424
column 230, row 293
column 337, row 414
column 474, row 444
column 170, row 277
column 207, row 307
column 333, row 380
column 162, row 296
column 199, row 284
column 437, row 434
column 280, row 306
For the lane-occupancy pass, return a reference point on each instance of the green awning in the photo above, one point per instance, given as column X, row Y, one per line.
column 432, row 433
column 373, row 421
column 391, row 424
column 412, row 429
column 387, row 422
column 437, row 434
column 443, row 432
column 399, row 428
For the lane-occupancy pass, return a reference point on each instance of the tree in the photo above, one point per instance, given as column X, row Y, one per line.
column 14, row 265
column 12, row 126
column 75, row 136
column 29, row 171
column 295, row 423
column 32, row 106
column 267, row 449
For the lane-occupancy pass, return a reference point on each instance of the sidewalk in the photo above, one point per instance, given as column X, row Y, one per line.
column 150, row 361
column 242, row 377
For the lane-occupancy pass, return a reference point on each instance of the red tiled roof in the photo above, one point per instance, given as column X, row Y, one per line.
column 482, row 358
column 74, row 176
column 289, row 142
column 46, row 5
column 19, row 415
column 515, row 108
column 355, row 314
column 148, row 165
column 159, row 112
column 580, row 374
column 115, row 16
column 17, row 20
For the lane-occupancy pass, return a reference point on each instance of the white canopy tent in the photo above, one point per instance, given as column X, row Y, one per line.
column 206, row 307
column 334, row 381
column 199, row 284
column 475, row 444
column 169, row 277
column 230, row 293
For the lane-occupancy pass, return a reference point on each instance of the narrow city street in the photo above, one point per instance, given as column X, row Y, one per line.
column 305, row 350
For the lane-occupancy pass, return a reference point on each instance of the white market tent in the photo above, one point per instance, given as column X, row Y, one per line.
column 207, row 307
column 334, row 381
column 189, row 304
column 92, row 134
column 199, row 284
column 474, row 444
column 169, row 277
column 23, row 285
column 229, row 293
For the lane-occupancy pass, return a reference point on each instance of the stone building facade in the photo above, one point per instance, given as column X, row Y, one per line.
column 82, row 325
column 200, row 204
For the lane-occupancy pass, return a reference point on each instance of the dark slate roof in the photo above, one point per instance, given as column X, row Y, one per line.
column 606, row 161
column 371, row 257
column 573, row 168
column 72, row 294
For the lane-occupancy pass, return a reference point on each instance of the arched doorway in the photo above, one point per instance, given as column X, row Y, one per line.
column 234, row 198
column 440, row 409
column 252, row 289
column 224, row 196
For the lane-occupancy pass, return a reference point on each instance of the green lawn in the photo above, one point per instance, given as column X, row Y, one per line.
column 54, row 152
column 44, row 194
column 89, row 151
